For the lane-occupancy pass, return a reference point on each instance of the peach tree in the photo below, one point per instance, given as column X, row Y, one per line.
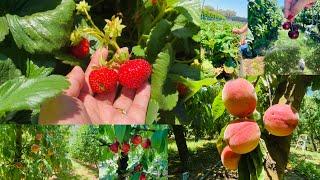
column 33, row 152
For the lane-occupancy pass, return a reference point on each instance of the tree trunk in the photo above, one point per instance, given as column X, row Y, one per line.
column 182, row 146
column 293, row 88
column 313, row 143
column 18, row 152
column 122, row 166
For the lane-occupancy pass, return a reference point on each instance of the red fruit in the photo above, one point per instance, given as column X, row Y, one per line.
column 133, row 73
column 146, row 143
column 286, row 25
column 138, row 168
column 114, row 147
column 136, row 140
column 182, row 89
column 293, row 34
column 142, row 177
column 81, row 50
column 103, row 80
column 154, row 2
column 125, row 147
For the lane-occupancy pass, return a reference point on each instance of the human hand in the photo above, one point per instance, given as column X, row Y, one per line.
column 293, row 7
column 236, row 31
column 78, row 105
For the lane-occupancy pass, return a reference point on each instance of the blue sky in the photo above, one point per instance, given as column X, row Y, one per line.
column 240, row 6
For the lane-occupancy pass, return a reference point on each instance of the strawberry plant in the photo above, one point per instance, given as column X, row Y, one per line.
column 138, row 152
column 66, row 33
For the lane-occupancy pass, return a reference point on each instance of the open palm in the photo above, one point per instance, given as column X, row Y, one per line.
column 78, row 105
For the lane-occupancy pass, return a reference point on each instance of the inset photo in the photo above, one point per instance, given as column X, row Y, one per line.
column 286, row 35
column 267, row 128
column 48, row 152
column 135, row 152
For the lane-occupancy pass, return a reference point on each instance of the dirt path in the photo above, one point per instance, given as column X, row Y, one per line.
column 82, row 171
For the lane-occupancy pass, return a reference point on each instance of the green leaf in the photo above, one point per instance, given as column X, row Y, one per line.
column 138, row 51
column 4, row 29
column 158, row 79
column 44, row 31
column 8, row 69
column 182, row 28
column 152, row 113
column 218, row 106
column 185, row 71
column 27, row 94
column 157, row 39
column 34, row 71
column 157, row 140
column 67, row 59
column 122, row 132
column 191, row 10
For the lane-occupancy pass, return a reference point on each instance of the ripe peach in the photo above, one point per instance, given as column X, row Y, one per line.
column 230, row 159
column 280, row 119
column 242, row 135
column 239, row 97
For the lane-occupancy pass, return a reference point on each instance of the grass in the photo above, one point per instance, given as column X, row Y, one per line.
column 304, row 164
column 206, row 164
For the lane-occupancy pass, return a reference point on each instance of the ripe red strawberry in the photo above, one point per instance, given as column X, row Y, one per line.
column 114, row 147
column 142, row 177
column 138, row 168
column 125, row 148
column 182, row 89
column 146, row 143
column 103, row 80
column 133, row 73
column 81, row 50
column 136, row 140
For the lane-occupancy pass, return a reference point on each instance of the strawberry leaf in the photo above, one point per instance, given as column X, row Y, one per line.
column 8, row 69
column 4, row 29
column 27, row 94
column 157, row 39
column 44, row 31
column 158, row 79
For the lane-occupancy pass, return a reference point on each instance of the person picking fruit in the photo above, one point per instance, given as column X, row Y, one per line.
column 293, row 7
column 246, row 39
column 91, row 97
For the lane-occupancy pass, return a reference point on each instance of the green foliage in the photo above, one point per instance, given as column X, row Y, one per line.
column 85, row 146
column 18, row 161
column 264, row 20
column 309, row 16
column 211, row 14
column 219, row 43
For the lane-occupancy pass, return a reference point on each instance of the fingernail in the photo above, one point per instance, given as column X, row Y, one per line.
column 290, row 16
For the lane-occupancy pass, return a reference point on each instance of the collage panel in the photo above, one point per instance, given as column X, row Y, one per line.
column 277, row 141
column 96, row 62
column 255, row 123
column 48, row 152
column 286, row 45
column 133, row 152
